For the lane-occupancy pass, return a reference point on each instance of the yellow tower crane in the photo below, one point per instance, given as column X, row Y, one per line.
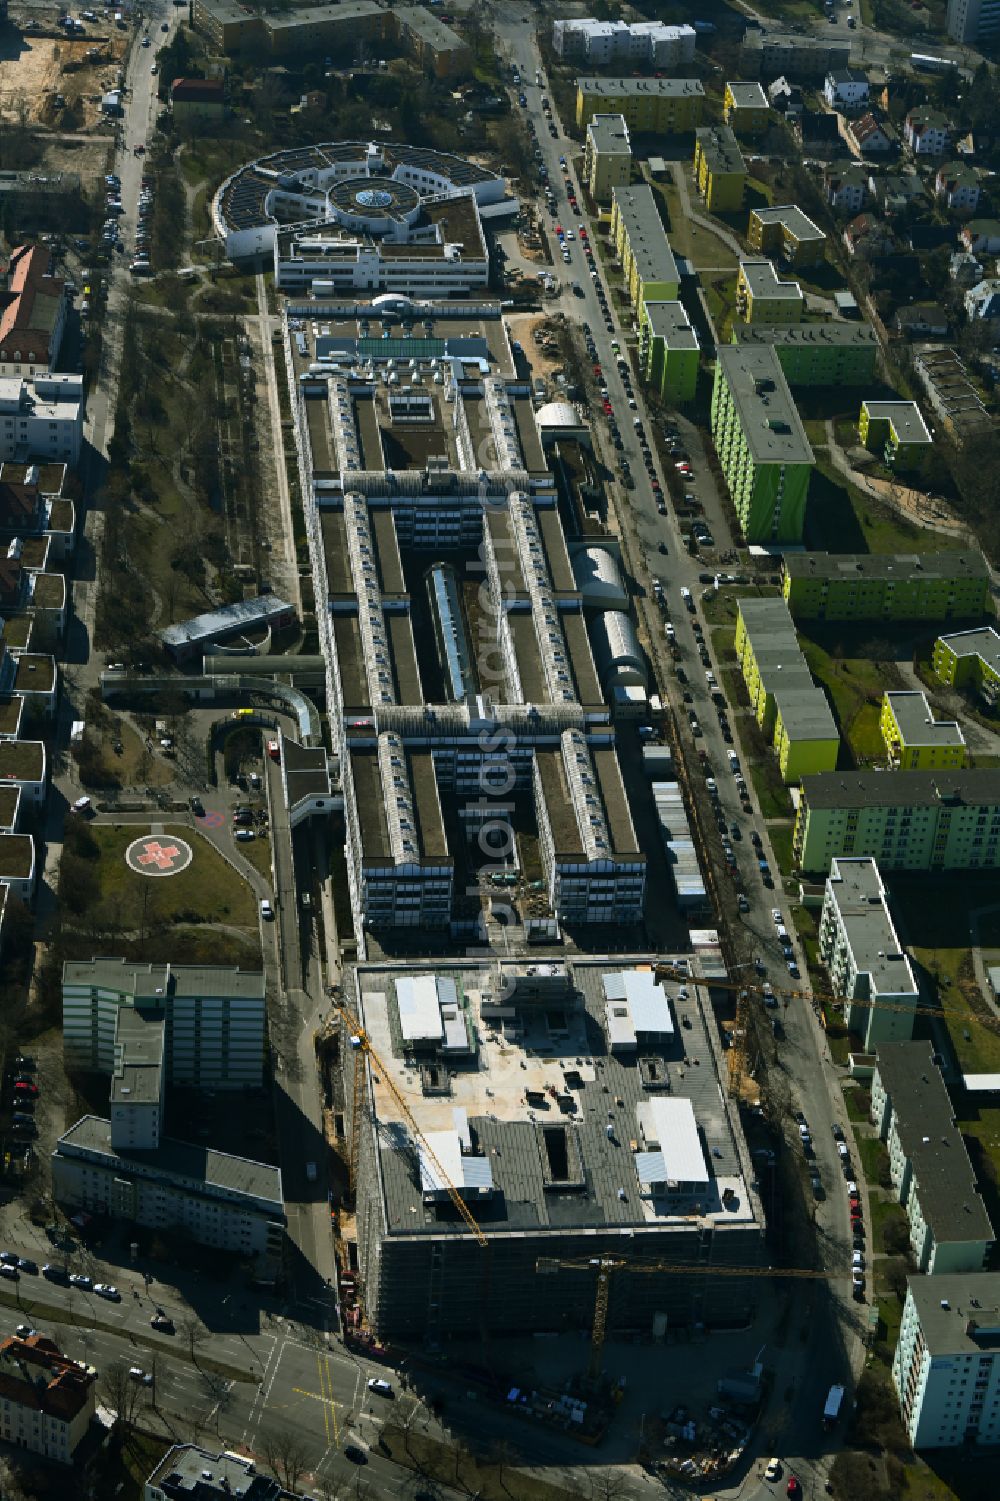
column 607, row 1266
column 364, row 1047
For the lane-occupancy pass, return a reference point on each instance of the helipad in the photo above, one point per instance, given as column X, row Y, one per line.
column 156, row 855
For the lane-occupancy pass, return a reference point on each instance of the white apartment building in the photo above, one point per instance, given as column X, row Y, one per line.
column 46, row 1400
column 865, row 960
column 950, row 1230
column 946, row 1368
column 845, row 88
column 41, row 418
column 230, row 1203
column 214, row 1018
column 602, row 42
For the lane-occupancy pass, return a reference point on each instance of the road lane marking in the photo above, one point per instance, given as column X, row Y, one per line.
column 328, row 1403
column 326, row 1410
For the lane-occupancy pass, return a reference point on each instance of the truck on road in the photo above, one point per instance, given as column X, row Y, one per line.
column 834, row 1401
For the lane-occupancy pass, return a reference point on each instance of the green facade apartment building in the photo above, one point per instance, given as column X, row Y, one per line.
column 791, row 709
column 906, row 820
column 816, row 354
column 762, row 446
column 970, row 660
column 669, row 351
column 887, row 586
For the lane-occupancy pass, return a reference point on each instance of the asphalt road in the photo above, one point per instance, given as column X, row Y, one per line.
column 802, row 1056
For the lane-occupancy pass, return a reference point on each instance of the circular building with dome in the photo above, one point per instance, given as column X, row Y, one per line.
column 362, row 217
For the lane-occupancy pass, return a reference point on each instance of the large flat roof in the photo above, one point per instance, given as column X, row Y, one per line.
column 857, row 566
column 155, row 982
column 983, row 642
column 764, row 282
column 925, row 1125
column 634, row 88
column 550, row 1170
column 903, row 417
column 201, row 1169
column 669, row 321
column 748, row 95
column 609, row 134
column 720, row 148
column 857, row 889
column 902, row 789
column 647, row 238
column 959, row 1312
column 917, row 724
column 792, row 218
column 769, row 418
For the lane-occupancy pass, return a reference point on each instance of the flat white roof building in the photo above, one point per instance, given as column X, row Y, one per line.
column 41, row 418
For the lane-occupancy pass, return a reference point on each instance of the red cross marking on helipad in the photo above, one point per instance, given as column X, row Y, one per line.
column 160, row 855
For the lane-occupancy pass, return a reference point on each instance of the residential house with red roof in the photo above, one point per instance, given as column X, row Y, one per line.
column 33, row 305
column 46, row 1400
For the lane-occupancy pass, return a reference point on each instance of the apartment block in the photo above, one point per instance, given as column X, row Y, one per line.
column 214, row 1017
column 863, row 956
column 914, row 739
column 837, row 353
column 970, row 660
column 791, row 709
column 669, row 351
column 663, row 106
column 888, row 586
column 950, row 1230
column 604, row 42
column 41, row 419
column 786, row 233
column 189, row 1473
column 768, row 53
column 761, row 444
column 47, row 1402
column 946, row 1369
column 746, row 108
column 895, row 430
column 217, row 1199
column 762, row 297
column 607, row 162
column 719, row 168
column 972, row 21
column 648, row 263
column 906, row 820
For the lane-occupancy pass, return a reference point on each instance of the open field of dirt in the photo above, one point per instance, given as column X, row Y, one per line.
column 35, row 70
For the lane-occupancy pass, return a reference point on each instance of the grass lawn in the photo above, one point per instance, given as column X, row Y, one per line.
column 720, row 607
column 934, row 920
column 720, row 299
column 780, row 835
column 701, row 247
column 855, row 685
column 855, row 1110
column 258, row 853
column 208, row 891
column 839, row 518
column 872, row 1154
column 772, row 794
column 884, row 1212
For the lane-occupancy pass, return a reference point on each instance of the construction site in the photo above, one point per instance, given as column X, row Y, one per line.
column 503, row 1120
column 53, row 78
